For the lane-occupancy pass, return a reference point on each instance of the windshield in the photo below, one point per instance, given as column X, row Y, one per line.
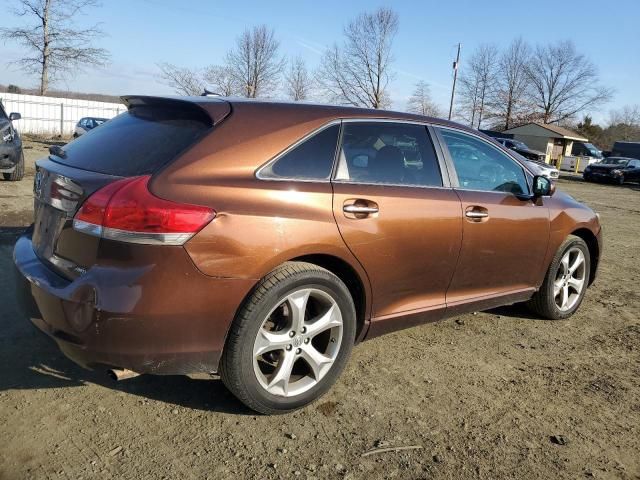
column 520, row 145
column 615, row 161
column 593, row 151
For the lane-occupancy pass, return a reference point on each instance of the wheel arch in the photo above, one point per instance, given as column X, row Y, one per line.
column 594, row 250
column 345, row 272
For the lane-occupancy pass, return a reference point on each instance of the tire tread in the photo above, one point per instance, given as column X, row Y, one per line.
column 229, row 370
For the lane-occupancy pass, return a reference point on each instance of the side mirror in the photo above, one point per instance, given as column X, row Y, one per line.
column 543, row 187
column 14, row 116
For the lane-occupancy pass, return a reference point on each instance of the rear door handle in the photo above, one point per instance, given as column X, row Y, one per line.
column 476, row 213
column 359, row 209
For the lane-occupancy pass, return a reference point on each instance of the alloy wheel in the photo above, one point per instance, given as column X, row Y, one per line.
column 570, row 279
column 298, row 342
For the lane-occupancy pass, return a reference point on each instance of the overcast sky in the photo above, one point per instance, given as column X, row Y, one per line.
column 196, row 33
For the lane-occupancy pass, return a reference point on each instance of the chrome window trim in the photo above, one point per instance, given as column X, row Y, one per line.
column 525, row 171
column 444, row 170
column 308, row 136
column 369, row 184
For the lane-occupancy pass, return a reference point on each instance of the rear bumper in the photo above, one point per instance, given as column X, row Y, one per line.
column 162, row 318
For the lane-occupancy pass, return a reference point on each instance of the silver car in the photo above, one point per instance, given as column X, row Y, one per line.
column 87, row 123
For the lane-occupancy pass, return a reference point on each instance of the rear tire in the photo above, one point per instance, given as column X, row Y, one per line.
column 299, row 319
column 565, row 283
column 18, row 172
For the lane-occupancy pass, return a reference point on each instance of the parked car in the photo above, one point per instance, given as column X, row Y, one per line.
column 626, row 149
column 522, row 149
column 86, row 124
column 614, row 169
column 263, row 240
column 11, row 154
column 544, row 169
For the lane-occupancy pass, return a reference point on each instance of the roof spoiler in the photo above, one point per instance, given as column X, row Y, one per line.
column 210, row 116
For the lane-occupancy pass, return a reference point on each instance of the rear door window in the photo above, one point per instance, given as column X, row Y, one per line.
column 137, row 142
column 388, row 153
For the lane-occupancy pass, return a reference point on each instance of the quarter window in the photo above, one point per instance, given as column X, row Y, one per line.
column 310, row 160
column 388, row 153
column 480, row 166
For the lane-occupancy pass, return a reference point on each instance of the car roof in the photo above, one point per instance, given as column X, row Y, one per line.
column 279, row 107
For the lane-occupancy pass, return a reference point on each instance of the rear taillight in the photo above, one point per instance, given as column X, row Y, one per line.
column 127, row 211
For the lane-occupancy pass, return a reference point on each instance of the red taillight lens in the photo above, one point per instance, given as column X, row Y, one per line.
column 125, row 210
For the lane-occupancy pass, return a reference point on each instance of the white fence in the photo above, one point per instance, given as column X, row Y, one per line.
column 54, row 116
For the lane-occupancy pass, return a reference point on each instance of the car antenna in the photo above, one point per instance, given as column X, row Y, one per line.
column 208, row 93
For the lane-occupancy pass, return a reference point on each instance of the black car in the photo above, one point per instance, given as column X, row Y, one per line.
column 522, row 148
column 11, row 156
column 614, row 169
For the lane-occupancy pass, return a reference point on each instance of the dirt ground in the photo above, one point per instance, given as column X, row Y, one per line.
column 498, row 394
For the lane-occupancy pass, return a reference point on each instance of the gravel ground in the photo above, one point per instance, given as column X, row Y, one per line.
column 497, row 394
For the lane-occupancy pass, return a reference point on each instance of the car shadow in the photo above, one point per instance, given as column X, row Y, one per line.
column 518, row 310
column 30, row 360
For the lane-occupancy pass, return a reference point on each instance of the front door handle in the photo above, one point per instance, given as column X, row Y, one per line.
column 359, row 209
column 476, row 214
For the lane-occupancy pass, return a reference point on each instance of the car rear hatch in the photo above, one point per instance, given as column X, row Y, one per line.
column 150, row 135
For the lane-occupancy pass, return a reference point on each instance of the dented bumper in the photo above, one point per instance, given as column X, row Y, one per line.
column 156, row 313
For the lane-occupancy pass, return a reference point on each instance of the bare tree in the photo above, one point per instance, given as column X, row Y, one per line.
column 55, row 46
column 359, row 72
column 184, row 81
column 298, row 82
column 627, row 115
column 624, row 123
column 563, row 82
column 221, row 78
column 508, row 100
column 420, row 101
column 477, row 82
column 255, row 62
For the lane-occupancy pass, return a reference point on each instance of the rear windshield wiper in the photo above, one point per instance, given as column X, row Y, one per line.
column 57, row 151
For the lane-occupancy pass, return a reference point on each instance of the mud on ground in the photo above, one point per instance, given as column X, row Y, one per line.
column 498, row 394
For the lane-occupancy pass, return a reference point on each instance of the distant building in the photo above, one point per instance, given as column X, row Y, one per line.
column 554, row 140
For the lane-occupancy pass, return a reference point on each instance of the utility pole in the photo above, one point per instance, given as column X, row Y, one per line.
column 455, row 77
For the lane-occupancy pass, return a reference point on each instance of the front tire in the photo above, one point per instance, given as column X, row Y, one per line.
column 566, row 281
column 18, row 172
column 290, row 340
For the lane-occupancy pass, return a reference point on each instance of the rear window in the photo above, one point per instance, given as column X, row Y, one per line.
column 137, row 142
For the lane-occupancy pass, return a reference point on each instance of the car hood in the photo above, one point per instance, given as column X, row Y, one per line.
column 539, row 167
column 605, row 166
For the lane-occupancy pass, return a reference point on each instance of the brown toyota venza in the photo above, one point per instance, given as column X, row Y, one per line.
column 262, row 240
